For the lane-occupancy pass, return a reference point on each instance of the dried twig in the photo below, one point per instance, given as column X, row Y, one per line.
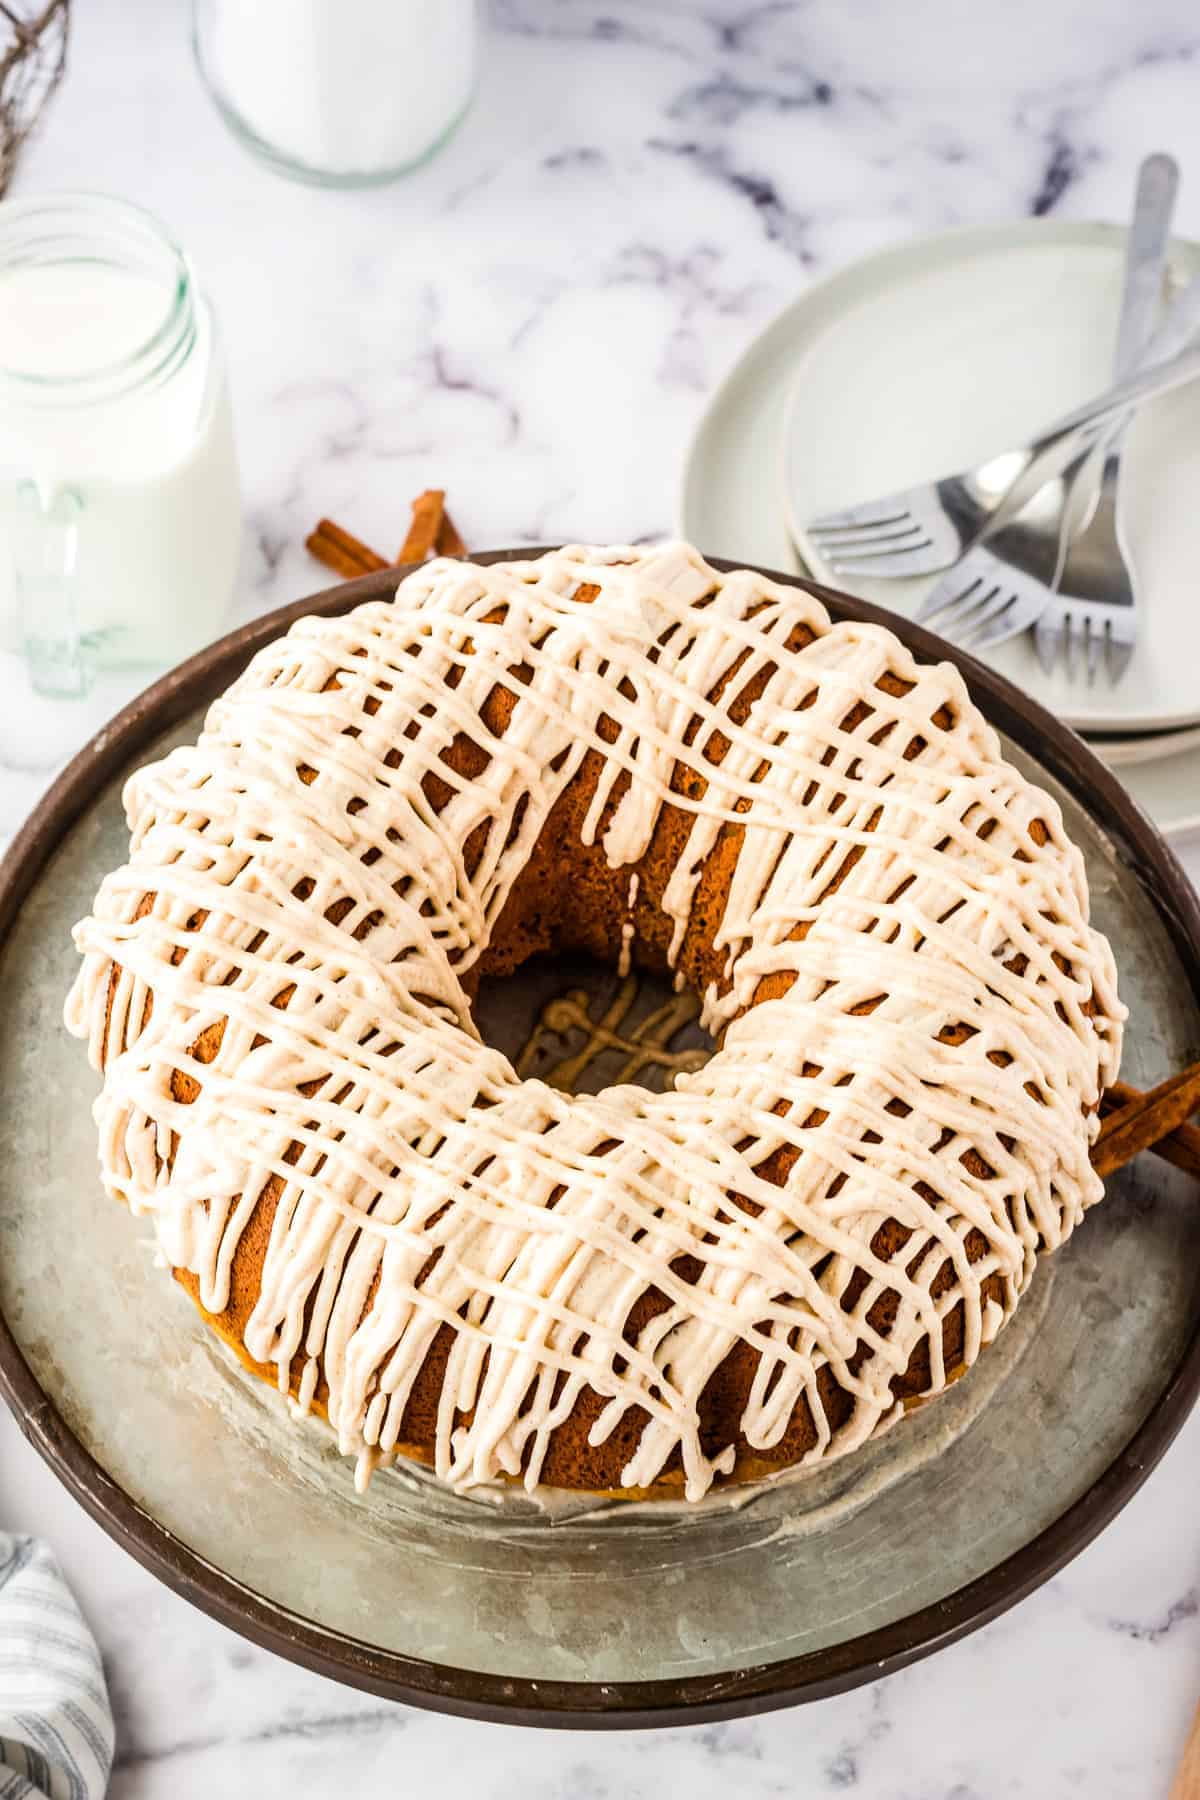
column 32, row 60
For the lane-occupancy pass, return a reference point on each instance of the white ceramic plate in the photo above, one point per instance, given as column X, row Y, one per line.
column 731, row 505
column 1162, row 772
column 1153, row 746
column 1168, row 790
column 926, row 359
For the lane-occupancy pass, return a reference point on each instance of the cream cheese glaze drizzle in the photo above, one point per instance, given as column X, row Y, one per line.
column 393, row 1133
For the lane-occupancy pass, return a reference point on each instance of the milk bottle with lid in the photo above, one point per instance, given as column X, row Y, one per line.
column 119, row 511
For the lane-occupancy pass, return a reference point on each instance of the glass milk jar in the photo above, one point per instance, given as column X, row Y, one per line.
column 342, row 92
column 119, row 514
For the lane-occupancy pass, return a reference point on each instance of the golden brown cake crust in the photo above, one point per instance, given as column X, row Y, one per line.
column 569, row 897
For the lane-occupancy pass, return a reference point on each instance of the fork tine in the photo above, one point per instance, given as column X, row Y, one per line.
column 1003, row 621
column 850, row 535
column 951, row 590
column 1068, row 640
column 997, row 602
column 900, row 532
column 888, row 511
column 922, row 560
column 1120, row 655
column 1094, row 634
column 1016, row 618
column 1048, row 636
column 960, row 626
column 956, row 596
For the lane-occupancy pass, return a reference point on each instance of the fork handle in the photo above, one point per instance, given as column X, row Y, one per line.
column 1086, row 420
column 1145, row 256
column 1078, row 432
column 1166, row 354
column 1177, row 329
column 1141, row 297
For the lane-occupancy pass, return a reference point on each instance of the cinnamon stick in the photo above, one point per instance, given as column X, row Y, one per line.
column 1180, row 1147
column 428, row 515
column 340, row 551
column 431, row 529
column 449, row 540
column 1146, row 1120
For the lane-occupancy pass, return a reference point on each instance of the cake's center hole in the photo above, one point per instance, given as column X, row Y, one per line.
column 580, row 1025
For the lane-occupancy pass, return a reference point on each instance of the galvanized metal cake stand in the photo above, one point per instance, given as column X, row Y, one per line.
column 615, row 1619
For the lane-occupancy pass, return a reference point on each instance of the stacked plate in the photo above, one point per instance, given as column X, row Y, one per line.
column 926, row 359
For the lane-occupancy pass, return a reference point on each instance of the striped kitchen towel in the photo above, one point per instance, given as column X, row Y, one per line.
column 56, row 1729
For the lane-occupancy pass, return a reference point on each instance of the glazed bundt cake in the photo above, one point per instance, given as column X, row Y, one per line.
column 598, row 750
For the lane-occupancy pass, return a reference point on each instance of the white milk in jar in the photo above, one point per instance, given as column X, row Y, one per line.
column 340, row 91
column 119, row 509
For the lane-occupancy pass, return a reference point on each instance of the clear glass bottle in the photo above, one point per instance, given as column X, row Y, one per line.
column 120, row 520
column 340, row 92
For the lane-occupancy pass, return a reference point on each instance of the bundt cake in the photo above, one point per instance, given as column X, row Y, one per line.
column 603, row 751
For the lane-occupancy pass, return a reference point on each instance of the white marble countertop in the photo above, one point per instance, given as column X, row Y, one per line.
column 534, row 322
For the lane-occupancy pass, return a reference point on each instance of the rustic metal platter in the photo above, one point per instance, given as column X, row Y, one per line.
column 576, row 1617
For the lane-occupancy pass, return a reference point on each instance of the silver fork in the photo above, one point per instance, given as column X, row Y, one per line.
column 1001, row 586
column 1048, row 456
column 919, row 530
column 1006, row 581
column 922, row 529
column 1094, row 604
